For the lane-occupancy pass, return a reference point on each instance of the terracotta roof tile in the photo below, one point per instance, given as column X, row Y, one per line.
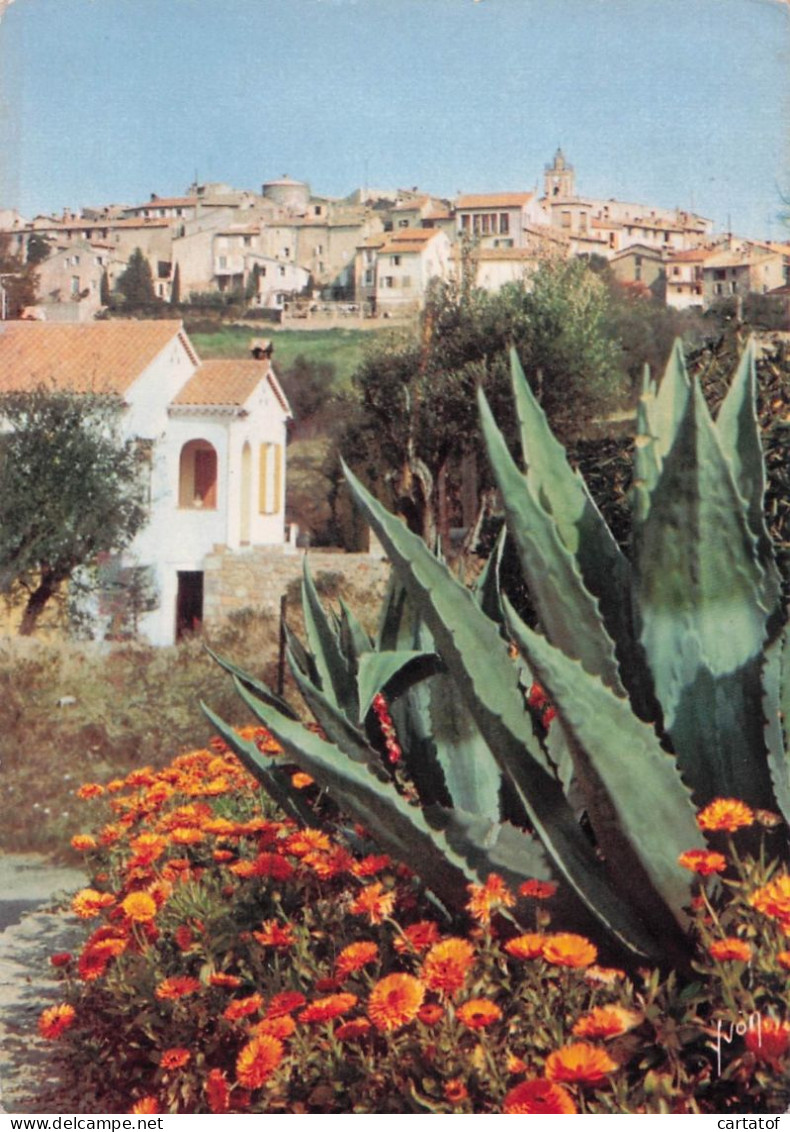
column 493, row 200
column 100, row 357
column 224, row 382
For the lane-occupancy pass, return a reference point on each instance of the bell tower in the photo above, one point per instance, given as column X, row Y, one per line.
column 558, row 179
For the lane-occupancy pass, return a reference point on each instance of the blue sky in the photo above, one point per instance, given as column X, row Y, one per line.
column 668, row 102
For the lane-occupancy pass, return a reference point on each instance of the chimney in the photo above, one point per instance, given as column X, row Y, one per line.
column 261, row 348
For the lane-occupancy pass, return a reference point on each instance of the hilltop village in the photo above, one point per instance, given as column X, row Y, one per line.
column 373, row 253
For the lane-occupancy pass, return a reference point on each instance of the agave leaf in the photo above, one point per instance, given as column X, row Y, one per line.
column 340, row 730
column 567, row 610
column 272, row 777
column 605, row 571
column 776, row 707
column 399, row 623
column 487, row 589
column 646, row 465
column 739, row 432
column 698, row 591
column 378, row 670
column 334, row 669
column 353, row 638
column 639, row 807
column 300, row 656
column 471, row 773
column 402, row 829
column 478, row 660
column 253, row 685
column 668, row 408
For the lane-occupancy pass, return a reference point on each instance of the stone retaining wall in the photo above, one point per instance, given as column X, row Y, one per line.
column 257, row 577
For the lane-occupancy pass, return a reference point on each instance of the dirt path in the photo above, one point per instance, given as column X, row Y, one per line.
column 31, row 929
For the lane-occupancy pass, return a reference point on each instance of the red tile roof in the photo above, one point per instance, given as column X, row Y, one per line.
column 493, row 200
column 228, row 383
column 98, row 357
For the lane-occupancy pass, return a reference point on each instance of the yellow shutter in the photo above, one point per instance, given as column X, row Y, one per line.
column 264, row 459
column 278, row 478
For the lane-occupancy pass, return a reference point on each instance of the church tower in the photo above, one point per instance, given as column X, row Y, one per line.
column 558, row 179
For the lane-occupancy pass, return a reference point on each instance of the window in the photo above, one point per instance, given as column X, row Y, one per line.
column 406, row 282
column 247, row 240
column 388, row 281
column 465, row 222
column 270, row 479
column 282, row 271
column 75, row 284
column 504, row 224
column 565, row 218
column 223, row 261
column 197, row 476
column 395, row 260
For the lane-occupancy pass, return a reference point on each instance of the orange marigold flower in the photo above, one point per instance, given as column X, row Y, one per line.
column 83, row 842
column 306, row 841
column 568, row 950
column 88, row 903
column 186, row 835
column 356, row 956
column 92, row 964
column 325, row 1009
column 527, row 946
column 61, row 959
column 769, row 1041
column 356, row 1028
column 55, row 1020
column 175, row 1058
column 478, row 1013
column 284, row 1003
column 242, row 1007
column 375, row 902
column 773, row 899
column 417, row 937
column 703, row 861
column 148, row 1105
column 725, row 814
column 370, row 865
column 581, row 1063
column 139, row 907
column 447, row 965
column 281, row 1027
column 537, row 889
column 90, row 790
column 455, row 1091
column 177, row 986
column 258, row 1060
column 223, row 980
column 274, row 934
column 395, row 1001
column 606, row 976
column 538, row 1097
column 485, row 898
column 269, row 865
column 606, row 1022
column 300, row 780
column 430, row 1013
column 783, row 959
column 217, row 1092
column 730, row 948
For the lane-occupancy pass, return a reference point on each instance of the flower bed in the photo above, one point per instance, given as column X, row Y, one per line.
column 237, row 962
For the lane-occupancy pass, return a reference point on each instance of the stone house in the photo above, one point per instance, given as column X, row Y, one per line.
column 405, row 264
column 212, row 439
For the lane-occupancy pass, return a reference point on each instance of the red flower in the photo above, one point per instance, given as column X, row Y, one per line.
column 536, row 1097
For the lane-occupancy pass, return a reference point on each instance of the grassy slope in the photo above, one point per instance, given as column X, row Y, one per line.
column 341, row 348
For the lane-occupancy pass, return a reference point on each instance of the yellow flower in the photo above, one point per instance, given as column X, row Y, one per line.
column 580, row 1063
column 568, row 950
column 140, row 907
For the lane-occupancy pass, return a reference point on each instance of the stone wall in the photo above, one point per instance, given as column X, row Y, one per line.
column 257, row 577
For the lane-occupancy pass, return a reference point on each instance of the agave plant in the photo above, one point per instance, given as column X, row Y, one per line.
column 668, row 672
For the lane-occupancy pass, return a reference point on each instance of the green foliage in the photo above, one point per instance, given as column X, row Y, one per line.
column 663, row 653
column 69, row 489
column 21, row 282
column 136, row 282
column 175, row 290
column 38, row 249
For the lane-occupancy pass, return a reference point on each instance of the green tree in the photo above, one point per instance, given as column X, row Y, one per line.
column 69, row 490
column 175, row 290
column 136, row 282
column 19, row 282
column 38, row 249
column 105, row 297
column 416, row 434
